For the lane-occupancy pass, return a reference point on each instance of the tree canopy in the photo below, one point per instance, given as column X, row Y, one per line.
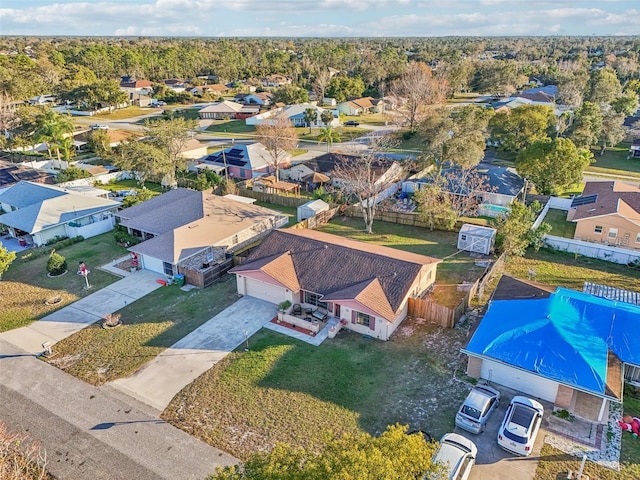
column 552, row 165
column 394, row 455
column 515, row 129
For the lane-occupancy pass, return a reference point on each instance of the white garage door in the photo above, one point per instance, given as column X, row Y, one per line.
column 264, row 291
column 519, row 380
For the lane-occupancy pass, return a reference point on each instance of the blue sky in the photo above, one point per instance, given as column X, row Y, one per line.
column 319, row 18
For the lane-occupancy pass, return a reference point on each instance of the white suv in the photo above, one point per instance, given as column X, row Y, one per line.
column 520, row 426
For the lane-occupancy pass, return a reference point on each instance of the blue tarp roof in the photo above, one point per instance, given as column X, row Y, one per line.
column 565, row 337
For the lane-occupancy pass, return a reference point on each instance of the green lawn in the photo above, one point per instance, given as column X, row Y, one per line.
column 378, row 119
column 131, row 184
column 150, row 325
column 230, row 126
column 558, row 221
column 124, row 113
column 346, row 133
column 288, row 391
column 25, row 287
column 291, row 212
column 615, row 161
column 454, row 268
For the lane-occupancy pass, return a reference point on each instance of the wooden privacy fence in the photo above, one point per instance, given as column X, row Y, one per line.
column 275, row 198
column 444, row 316
column 317, row 220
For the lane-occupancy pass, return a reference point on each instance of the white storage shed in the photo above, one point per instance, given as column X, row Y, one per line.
column 474, row 238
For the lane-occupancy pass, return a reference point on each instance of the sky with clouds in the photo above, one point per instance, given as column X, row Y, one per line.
column 319, row 18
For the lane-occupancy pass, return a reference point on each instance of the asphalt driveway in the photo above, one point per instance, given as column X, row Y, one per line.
column 158, row 381
column 493, row 463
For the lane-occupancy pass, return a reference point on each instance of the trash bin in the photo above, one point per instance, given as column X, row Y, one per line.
column 179, row 279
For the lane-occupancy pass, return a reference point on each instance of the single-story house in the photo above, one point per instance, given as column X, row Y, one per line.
column 475, row 238
column 363, row 286
column 12, row 173
column 567, row 347
column 311, row 209
column 295, row 114
column 609, row 213
column 275, row 81
column 261, row 98
column 269, row 184
column 193, row 148
column 361, row 106
column 183, row 228
column 176, row 84
column 503, row 186
column 213, row 89
column 244, row 161
column 385, row 170
column 228, row 109
column 38, row 213
column 131, row 85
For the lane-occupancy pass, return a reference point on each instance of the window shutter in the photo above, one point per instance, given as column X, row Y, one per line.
column 372, row 322
column 353, row 316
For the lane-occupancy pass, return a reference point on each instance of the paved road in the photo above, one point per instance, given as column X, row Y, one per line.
column 158, row 381
column 95, row 432
column 73, row 318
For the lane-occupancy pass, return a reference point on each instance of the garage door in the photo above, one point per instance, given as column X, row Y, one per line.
column 519, row 380
column 264, row 291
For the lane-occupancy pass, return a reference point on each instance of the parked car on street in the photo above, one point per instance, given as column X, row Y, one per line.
column 520, row 426
column 351, row 123
column 476, row 409
column 457, row 455
column 99, row 126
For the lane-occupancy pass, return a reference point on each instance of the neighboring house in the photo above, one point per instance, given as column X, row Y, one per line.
column 503, row 186
column 193, row 149
column 38, row 213
column 295, row 114
column 131, row 85
column 275, row 81
column 244, row 161
column 12, row 173
column 216, row 89
column 385, row 170
column 183, row 228
column 609, row 213
column 176, row 84
column 560, row 345
column 140, row 100
column 360, row 106
column 365, row 287
column 228, row 110
column 262, row 98
column 474, row 238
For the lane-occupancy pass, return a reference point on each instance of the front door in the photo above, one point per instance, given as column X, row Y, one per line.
column 336, row 310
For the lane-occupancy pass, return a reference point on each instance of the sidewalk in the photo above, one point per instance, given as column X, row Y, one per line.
column 159, row 380
column 96, row 432
column 73, row 318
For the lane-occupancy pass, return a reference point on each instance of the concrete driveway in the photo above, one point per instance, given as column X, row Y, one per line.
column 493, row 463
column 73, row 318
column 157, row 382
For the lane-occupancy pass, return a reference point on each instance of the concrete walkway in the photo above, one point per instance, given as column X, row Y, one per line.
column 158, row 381
column 73, row 318
column 95, row 432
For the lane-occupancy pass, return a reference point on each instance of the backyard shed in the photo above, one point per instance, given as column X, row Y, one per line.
column 311, row 209
column 474, row 238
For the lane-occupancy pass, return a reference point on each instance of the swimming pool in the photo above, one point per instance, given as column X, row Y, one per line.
column 490, row 210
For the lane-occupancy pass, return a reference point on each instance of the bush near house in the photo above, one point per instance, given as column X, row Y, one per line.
column 57, row 264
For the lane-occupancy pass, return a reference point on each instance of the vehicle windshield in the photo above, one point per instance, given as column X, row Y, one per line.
column 519, row 424
column 470, row 411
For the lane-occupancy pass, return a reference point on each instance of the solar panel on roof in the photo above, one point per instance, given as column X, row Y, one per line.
column 584, row 200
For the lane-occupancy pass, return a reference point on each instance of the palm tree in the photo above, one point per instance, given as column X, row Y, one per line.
column 310, row 116
column 53, row 128
column 329, row 135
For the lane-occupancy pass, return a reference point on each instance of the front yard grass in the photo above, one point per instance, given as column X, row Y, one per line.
column 150, row 325
column 131, row 184
column 230, row 126
column 559, row 225
column 283, row 390
column 124, row 113
column 25, row 287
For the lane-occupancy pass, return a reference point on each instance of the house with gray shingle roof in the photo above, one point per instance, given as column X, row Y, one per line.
column 38, row 213
column 363, row 286
column 183, row 224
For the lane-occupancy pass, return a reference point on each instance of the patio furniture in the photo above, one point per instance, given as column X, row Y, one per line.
column 319, row 315
column 308, row 310
column 296, row 310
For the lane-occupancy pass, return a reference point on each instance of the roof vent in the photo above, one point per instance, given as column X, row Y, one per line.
column 193, row 226
column 326, row 246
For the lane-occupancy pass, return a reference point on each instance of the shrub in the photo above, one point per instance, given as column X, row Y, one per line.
column 122, row 236
column 57, row 264
column 282, row 306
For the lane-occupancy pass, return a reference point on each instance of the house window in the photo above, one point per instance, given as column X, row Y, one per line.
column 314, row 299
column 613, row 233
column 598, row 229
column 168, row 268
column 463, row 237
column 363, row 319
